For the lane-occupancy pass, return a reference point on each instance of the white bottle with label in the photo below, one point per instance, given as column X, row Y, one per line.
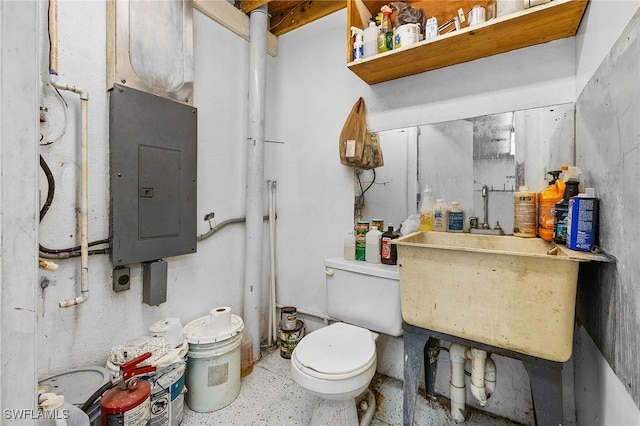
column 370, row 39
column 440, row 210
column 350, row 246
column 455, row 218
column 372, row 241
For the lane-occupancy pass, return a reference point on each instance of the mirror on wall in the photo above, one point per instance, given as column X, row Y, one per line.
column 457, row 158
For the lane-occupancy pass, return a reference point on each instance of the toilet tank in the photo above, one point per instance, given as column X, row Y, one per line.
column 364, row 294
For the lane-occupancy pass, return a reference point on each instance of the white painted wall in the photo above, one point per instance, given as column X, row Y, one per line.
column 213, row 276
column 18, row 230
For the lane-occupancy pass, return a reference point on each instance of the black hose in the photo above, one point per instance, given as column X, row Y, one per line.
column 51, row 183
column 97, row 394
column 72, row 249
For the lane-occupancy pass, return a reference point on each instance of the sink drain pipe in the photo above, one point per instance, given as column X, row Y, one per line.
column 255, row 175
column 483, row 378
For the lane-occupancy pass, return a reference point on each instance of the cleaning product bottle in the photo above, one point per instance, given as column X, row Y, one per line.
column 350, row 246
column 524, row 213
column 385, row 37
column 455, row 218
column 440, row 215
column 426, row 210
column 571, row 177
column 370, row 39
column 362, row 227
column 389, row 252
column 358, row 45
column 582, row 221
column 547, row 200
column 373, row 240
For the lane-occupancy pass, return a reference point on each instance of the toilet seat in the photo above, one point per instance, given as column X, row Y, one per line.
column 335, row 352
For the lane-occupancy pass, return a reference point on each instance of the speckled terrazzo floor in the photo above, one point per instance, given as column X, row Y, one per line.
column 268, row 396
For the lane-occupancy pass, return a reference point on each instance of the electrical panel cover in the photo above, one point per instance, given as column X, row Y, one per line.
column 153, row 146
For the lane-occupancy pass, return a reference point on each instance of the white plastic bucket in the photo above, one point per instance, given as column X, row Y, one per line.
column 213, row 374
column 213, row 367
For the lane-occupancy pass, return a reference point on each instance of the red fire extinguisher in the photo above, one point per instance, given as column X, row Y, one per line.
column 128, row 404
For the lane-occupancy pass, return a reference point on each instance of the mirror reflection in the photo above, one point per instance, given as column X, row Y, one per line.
column 456, row 159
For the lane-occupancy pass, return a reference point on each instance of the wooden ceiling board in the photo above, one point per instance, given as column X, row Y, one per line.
column 286, row 15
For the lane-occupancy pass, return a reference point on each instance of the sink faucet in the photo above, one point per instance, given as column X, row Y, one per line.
column 485, row 197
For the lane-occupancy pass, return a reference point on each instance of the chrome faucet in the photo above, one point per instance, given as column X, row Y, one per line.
column 484, row 227
column 485, row 198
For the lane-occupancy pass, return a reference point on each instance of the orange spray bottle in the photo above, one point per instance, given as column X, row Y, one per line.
column 547, row 200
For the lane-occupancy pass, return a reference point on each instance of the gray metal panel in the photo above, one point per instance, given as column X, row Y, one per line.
column 153, row 145
column 154, row 283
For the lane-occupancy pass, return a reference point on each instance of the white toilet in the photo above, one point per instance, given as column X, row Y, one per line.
column 337, row 362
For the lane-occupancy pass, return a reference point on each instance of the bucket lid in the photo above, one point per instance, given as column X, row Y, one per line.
column 219, row 325
column 337, row 349
column 76, row 385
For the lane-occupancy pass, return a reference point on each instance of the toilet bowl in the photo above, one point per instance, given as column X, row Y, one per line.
column 337, row 362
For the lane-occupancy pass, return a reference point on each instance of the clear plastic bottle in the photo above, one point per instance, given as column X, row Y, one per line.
column 440, row 215
column 373, row 240
column 370, row 39
column 455, row 218
column 426, row 210
column 350, row 246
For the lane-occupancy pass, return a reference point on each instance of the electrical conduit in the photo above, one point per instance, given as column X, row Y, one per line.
column 84, row 170
column 255, row 174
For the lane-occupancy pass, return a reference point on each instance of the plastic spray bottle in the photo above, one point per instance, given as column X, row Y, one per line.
column 358, row 45
column 547, row 200
column 426, row 210
column 370, row 39
column 385, row 37
column 572, row 181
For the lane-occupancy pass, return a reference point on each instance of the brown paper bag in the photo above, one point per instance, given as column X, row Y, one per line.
column 358, row 147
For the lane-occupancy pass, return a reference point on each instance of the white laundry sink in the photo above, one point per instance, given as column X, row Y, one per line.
column 505, row 291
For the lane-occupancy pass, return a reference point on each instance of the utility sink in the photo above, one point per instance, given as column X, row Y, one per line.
column 514, row 293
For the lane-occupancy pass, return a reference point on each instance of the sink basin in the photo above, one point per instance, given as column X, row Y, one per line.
column 503, row 291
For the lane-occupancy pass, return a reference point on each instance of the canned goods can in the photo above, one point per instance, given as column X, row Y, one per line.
column 379, row 223
column 288, row 317
column 289, row 339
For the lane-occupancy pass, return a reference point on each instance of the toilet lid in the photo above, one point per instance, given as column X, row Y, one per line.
column 337, row 349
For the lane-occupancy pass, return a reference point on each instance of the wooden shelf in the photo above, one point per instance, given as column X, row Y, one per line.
column 551, row 21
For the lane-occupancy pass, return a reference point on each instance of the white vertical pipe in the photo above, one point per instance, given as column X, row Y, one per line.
column 255, row 174
column 457, row 389
column 84, row 160
column 272, row 240
column 271, row 335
